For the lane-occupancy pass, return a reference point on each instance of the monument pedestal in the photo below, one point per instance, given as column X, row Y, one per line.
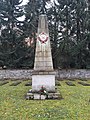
column 45, row 79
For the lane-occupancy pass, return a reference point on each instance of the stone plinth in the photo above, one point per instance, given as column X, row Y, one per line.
column 47, row 81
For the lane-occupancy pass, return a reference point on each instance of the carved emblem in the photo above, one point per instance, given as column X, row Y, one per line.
column 43, row 37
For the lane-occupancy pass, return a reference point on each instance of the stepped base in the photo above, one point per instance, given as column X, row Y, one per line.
column 37, row 96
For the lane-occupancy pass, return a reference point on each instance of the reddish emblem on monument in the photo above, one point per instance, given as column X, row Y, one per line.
column 43, row 37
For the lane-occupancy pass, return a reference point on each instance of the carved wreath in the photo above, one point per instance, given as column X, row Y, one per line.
column 43, row 37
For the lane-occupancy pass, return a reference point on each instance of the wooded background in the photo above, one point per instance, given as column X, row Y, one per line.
column 69, row 28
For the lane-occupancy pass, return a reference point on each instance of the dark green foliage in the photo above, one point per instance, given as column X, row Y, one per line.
column 69, row 27
column 84, row 83
column 15, row 83
column 83, row 79
column 72, row 79
column 3, row 83
column 28, row 84
column 68, row 30
column 12, row 49
column 14, row 53
column 57, row 83
column 70, row 83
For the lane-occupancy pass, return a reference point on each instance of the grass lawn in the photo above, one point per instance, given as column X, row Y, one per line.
column 74, row 106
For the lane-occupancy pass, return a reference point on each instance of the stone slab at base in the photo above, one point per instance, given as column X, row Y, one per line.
column 47, row 81
column 37, row 96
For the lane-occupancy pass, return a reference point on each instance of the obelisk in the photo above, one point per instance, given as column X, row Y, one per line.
column 43, row 73
column 43, row 57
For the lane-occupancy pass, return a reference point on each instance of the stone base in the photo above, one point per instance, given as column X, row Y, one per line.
column 37, row 96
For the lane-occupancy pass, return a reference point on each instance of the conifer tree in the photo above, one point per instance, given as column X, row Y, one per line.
column 11, row 34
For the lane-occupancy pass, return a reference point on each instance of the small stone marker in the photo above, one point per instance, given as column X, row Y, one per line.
column 43, row 97
column 36, row 96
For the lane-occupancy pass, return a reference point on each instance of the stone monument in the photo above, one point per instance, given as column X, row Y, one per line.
column 43, row 75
